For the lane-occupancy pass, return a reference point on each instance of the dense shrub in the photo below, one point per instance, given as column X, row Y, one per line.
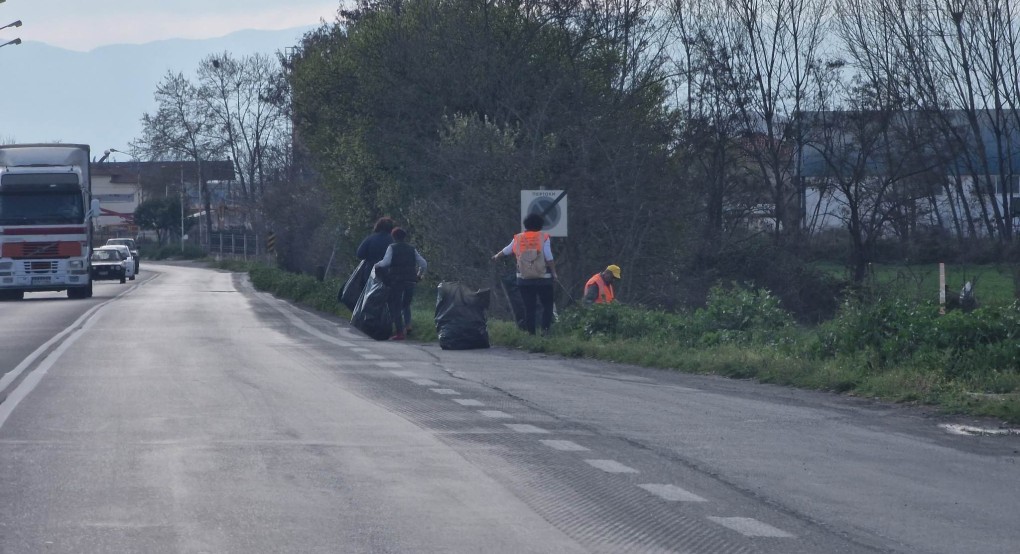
column 617, row 321
column 733, row 314
column 809, row 294
column 897, row 332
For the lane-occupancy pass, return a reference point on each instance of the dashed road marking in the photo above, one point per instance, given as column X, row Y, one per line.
column 525, row 428
column 360, row 350
column 424, row 382
column 468, row 402
column 956, row 429
column 388, row 364
column 566, row 446
column 495, row 414
column 444, row 391
column 405, row 374
column 671, row 493
column 611, row 466
column 750, row 527
column 371, row 356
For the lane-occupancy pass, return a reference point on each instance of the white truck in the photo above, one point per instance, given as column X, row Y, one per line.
column 46, row 213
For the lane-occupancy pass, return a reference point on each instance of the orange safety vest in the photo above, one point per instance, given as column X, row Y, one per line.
column 533, row 266
column 606, row 295
column 529, row 240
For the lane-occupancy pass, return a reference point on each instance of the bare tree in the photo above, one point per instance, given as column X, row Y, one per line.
column 777, row 47
column 180, row 129
column 245, row 100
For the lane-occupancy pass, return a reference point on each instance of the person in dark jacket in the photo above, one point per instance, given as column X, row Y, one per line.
column 404, row 267
column 373, row 247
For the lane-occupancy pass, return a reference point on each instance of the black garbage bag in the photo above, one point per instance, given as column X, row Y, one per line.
column 371, row 314
column 351, row 291
column 460, row 317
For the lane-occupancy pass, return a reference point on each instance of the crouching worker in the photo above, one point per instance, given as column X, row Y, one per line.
column 404, row 267
column 599, row 289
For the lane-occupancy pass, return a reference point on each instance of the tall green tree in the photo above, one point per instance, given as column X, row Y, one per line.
column 401, row 100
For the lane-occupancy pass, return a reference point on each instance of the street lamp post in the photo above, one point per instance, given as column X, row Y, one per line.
column 15, row 24
column 15, row 41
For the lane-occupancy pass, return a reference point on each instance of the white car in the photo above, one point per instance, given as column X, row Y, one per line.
column 130, row 243
column 129, row 260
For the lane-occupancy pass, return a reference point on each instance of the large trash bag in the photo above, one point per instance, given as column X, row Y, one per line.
column 460, row 317
column 372, row 312
column 351, row 291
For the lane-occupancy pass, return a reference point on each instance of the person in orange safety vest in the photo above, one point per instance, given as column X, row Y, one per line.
column 599, row 289
column 536, row 271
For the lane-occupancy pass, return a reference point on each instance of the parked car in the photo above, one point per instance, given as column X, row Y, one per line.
column 129, row 261
column 130, row 243
column 108, row 264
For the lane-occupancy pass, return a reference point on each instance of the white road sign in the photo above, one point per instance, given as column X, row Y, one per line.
column 539, row 201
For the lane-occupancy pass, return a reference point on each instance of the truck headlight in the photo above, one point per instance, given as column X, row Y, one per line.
column 76, row 264
column 6, row 266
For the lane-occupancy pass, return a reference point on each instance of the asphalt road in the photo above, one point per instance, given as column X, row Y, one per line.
column 185, row 412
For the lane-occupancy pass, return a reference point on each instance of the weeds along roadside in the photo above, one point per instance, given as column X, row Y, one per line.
column 891, row 349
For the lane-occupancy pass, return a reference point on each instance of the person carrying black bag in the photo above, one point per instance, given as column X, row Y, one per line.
column 370, row 251
column 373, row 247
column 401, row 268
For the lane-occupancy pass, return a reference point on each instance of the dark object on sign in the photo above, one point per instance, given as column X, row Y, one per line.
column 351, row 291
column 460, row 317
column 372, row 312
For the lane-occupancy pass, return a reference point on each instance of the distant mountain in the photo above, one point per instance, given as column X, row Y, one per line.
column 49, row 94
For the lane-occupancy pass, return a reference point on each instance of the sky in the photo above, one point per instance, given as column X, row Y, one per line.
column 83, row 25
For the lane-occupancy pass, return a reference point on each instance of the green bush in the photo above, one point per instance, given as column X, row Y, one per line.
column 617, row 321
column 739, row 308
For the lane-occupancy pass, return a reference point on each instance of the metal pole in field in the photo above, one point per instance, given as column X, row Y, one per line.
column 942, row 288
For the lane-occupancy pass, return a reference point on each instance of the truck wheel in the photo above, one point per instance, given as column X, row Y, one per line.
column 123, row 280
column 80, row 292
column 12, row 295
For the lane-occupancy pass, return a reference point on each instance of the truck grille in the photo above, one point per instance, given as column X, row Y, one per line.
column 40, row 267
column 29, row 250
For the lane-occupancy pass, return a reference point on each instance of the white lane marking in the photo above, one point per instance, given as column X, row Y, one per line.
column 565, row 446
column 13, row 374
column 405, row 374
column 468, row 402
column 387, row 364
column 495, row 414
column 32, row 379
column 525, row 428
column 955, row 429
column 444, row 391
column 671, row 493
column 424, row 382
column 750, row 527
column 360, row 350
column 295, row 321
column 611, row 466
column 371, row 356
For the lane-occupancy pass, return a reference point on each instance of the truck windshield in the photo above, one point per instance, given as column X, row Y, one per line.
column 42, row 202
